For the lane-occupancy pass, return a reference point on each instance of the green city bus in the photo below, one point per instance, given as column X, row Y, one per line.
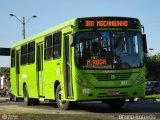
column 83, row 59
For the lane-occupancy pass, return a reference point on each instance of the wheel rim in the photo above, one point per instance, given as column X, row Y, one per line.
column 60, row 97
column 25, row 95
column 61, row 103
column 25, row 98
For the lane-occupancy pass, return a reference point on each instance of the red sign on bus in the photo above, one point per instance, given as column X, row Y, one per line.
column 96, row 62
column 102, row 22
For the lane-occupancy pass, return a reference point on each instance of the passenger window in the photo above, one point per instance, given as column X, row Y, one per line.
column 31, row 52
column 13, row 58
column 57, row 45
column 48, row 47
column 24, row 56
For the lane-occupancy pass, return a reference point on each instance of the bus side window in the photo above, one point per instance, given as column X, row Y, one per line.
column 31, row 52
column 48, row 47
column 24, row 55
column 57, row 45
column 13, row 58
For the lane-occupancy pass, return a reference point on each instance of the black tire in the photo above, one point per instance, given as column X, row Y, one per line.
column 28, row 101
column 35, row 101
column 131, row 100
column 11, row 97
column 63, row 105
column 116, row 103
column 16, row 99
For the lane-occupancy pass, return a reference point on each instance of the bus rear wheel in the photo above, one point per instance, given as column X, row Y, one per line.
column 35, row 101
column 27, row 100
column 116, row 103
column 63, row 105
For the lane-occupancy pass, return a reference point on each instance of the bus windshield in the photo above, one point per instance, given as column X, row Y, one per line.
column 108, row 50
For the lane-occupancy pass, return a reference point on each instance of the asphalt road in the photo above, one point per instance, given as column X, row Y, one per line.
column 140, row 110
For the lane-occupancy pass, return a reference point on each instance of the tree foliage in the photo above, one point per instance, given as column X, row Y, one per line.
column 5, row 72
column 153, row 67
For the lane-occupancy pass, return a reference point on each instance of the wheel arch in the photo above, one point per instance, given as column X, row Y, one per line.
column 56, row 83
column 24, row 84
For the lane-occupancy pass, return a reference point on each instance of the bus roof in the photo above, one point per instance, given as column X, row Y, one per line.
column 63, row 25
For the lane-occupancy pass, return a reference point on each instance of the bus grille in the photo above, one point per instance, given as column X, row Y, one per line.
column 112, row 77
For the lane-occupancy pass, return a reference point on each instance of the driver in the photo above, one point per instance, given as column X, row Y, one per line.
column 97, row 50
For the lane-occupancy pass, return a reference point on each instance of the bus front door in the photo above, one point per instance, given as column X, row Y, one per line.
column 40, row 68
column 67, row 69
column 17, row 70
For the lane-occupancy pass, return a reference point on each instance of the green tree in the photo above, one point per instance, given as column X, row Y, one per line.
column 5, row 72
column 153, row 67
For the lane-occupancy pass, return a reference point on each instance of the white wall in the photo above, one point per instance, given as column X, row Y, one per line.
column 1, row 82
column 5, row 61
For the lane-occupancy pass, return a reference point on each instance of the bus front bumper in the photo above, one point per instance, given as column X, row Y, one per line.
column 83, row 93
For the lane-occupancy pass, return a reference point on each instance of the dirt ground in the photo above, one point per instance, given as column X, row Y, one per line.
column 18, row 111
column 51, row 117
column 82, row 111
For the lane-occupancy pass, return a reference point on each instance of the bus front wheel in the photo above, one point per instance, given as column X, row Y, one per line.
column 64, row 105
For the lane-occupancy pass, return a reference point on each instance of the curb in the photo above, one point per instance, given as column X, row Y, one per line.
column 146, row 100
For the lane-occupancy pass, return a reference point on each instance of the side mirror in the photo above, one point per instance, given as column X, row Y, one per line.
column 144, row 40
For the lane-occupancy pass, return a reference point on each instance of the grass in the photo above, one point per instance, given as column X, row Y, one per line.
column 155, row 96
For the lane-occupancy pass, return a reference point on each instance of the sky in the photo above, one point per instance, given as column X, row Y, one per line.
column 52, row 12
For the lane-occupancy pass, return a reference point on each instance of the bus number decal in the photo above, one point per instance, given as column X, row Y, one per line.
column 24, row 75
column 89, row 23
column 124, row 82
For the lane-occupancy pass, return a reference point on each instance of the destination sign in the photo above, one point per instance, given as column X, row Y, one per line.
column 96, row 62
column 108, row 22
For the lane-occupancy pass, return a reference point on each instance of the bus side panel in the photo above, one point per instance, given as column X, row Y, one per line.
column 51, row 74
column 13, row 81
column 28, row 76
column 48, row 77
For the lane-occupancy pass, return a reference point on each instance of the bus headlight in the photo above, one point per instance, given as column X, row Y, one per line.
column 84, row 83
column 139, row 81
column 81, row 81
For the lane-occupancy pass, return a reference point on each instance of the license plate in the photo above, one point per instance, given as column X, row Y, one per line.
column 113, row 93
